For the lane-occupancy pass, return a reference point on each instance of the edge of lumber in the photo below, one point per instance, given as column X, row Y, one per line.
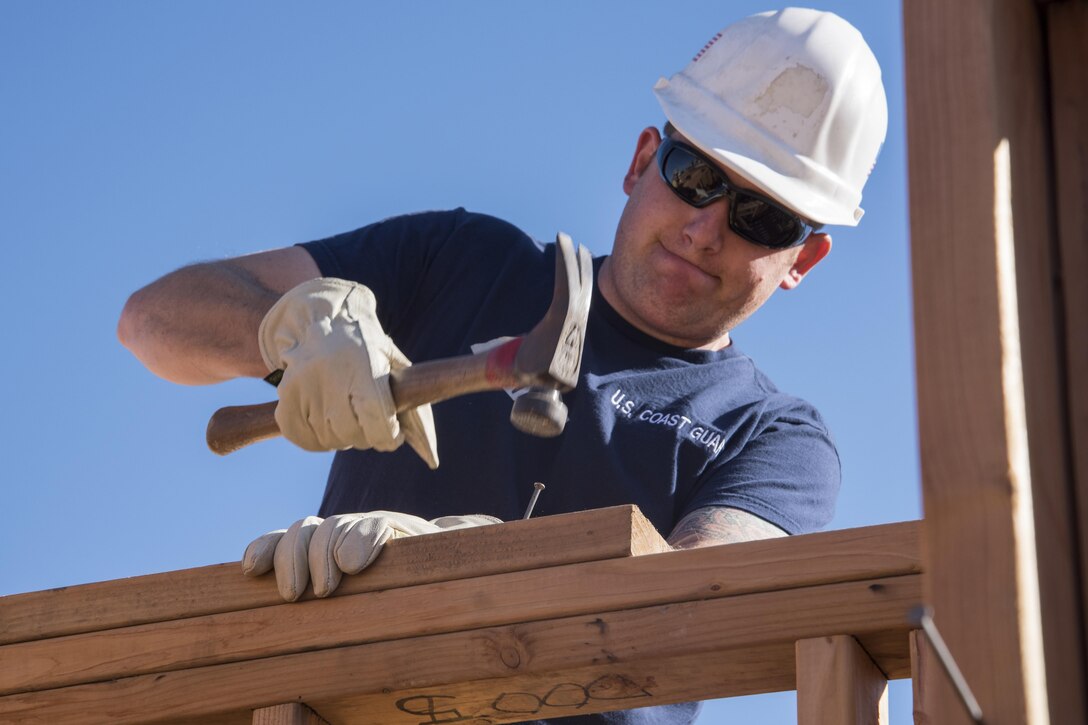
column 617, row 531
column 477, row 666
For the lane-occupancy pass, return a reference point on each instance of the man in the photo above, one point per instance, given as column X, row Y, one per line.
column 773, row 129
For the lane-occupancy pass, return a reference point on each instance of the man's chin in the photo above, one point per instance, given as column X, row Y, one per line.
column 672, row 323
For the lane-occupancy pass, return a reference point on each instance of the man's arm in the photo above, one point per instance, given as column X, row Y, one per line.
column 713, row 525
column 198, row 325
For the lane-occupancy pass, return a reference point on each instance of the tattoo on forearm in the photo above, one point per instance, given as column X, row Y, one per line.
column 720, row 525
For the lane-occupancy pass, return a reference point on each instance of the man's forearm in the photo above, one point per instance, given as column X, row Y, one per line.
column 198, row 325
column 715, row 525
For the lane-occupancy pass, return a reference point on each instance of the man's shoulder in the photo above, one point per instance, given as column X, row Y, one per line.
column 774, row 403
column 469, row 226
column 411, row 243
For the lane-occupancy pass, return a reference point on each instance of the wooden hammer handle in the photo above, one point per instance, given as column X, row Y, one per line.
column 237, row 426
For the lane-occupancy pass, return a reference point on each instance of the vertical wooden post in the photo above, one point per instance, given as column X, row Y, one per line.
column 838, row 684
column 993, row 375
column 919, row 664
column 1067, row 28
column 294, row 713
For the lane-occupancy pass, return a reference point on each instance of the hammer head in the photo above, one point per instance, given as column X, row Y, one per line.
column 551, row 354
column 539, row 412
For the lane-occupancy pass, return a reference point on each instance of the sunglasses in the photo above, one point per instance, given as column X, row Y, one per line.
column 699, row 181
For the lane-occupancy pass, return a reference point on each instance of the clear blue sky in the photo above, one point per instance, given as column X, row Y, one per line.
column 136, row 137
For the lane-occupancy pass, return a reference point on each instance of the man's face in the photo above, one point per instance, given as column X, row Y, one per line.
column 679, row 273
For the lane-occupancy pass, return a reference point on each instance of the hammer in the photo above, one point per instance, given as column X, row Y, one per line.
column 547, row 359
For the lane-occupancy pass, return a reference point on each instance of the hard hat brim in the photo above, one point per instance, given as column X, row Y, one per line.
column 809, row 189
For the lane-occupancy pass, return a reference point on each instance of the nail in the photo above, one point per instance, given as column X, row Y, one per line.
column 537, row 488
column 922, row 616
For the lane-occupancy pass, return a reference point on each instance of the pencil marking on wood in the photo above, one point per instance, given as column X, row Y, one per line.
column 567, row 694
column 429, row 709
column 440, row 708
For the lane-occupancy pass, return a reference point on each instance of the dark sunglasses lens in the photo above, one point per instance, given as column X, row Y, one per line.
column 698, row 182
column 695, row 181
column 758, row 221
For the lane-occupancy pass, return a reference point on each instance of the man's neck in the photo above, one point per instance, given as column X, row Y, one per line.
column 614, row 299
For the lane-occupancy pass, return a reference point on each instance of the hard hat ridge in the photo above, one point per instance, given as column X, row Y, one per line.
column 793, row 102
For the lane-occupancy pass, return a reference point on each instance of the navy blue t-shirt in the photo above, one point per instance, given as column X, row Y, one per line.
column 668, row 429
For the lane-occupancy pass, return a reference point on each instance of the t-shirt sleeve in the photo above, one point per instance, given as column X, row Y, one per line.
column 391, row 257
column 442, row 280
column 788, row 474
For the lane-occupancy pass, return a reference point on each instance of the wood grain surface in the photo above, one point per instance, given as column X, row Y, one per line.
column 526, row 595
column 839, row 684
column 650, row 655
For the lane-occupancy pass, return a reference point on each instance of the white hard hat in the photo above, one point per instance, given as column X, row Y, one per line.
column 791, row 101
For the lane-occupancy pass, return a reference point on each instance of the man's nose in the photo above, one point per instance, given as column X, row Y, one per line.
column 707, row 226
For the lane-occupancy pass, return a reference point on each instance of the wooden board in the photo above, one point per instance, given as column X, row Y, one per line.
column 1067, row 28
column 1049, row 201
column 838, row 683
column 717, row 647
column 981, row 240
column 920, row 656
column 618, row 531
column 483, row 601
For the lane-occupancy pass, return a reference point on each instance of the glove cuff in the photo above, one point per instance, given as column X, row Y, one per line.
column 447, row 523
column 285, row 323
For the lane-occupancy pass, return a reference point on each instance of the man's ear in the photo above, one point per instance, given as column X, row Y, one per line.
column 815, row 248
column 648, row 141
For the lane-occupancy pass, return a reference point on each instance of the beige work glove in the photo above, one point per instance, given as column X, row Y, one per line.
column 336, row 359
column 326, row 549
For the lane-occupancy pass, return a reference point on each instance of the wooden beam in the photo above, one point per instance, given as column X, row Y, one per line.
column 292, row 714
column 582, row 691
column 498, row 599
column 838, row 683
column 716, row 647
column 982, row 233
column 618, row 531
column 1064, row 561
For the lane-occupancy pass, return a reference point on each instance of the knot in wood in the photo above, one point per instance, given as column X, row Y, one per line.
column 513, row 650
column 510, row 657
